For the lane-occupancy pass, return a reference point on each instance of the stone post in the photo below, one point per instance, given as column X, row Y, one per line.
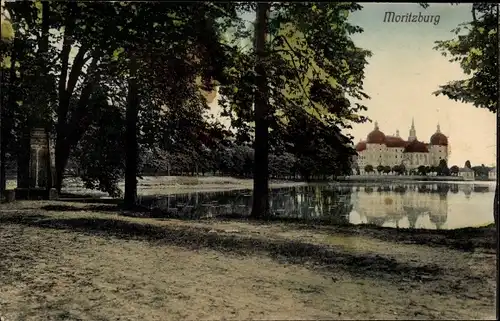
column 39, row 160
column 38, row 184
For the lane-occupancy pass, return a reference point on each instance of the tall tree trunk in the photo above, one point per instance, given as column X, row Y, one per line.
column 3, row 141
column 70, row 131
column 260, row 206
column 496, row 199
column 4, row 100
column 44, row 51
column 61, row 148
column 131, row 136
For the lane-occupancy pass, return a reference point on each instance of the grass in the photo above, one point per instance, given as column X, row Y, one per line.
column 74, row 261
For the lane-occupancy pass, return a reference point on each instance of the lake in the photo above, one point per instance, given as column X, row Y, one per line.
column 404, row 205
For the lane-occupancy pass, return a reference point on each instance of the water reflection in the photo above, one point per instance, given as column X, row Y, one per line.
column 435, row 206
column 399, row 203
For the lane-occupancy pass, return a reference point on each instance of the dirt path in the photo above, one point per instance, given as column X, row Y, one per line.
column 84, row 265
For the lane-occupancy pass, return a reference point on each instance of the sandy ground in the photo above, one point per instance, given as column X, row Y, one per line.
column 80, row 262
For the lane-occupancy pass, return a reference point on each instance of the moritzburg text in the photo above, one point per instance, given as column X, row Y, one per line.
column 391, row 16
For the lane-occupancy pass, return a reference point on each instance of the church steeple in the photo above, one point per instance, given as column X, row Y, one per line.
column 376, row 125
column 438, row 129
column 413, row 132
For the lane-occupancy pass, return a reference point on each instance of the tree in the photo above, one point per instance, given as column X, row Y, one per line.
column 101, row 63
column 131, row 142
column 479, row 59
column 310, row 73
column 396, row 169
column 402, row 168
column 422, row 170
column 467, row 164
column 7, row 36
column 260, row 206
column 380, row 169
column 443, row 169
column 368, row 168
column 387, row 169
column 454, row 170
column 481, row 171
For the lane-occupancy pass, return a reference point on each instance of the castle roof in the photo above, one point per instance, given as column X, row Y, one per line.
column 416, row 147
column 395, row 141
column 375, row 136
column 439, row 138
column 361, row 146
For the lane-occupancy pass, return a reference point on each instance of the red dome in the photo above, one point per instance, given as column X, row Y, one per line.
column 394, row 141
column 361, row 146
column 439, row 139
column 376, row 136
column 416, row 147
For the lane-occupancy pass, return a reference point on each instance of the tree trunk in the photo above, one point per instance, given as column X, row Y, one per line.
column 6, row 117
column 2, row 140
column 70, row 131
column 260, row 206
column 62, row 155
column 131, row 136
column 61, row 146
column 495, row 205
column 47, row 122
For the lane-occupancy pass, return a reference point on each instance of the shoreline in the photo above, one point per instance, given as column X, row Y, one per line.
column 410, row 179
column 173, row 185
column 413, row 178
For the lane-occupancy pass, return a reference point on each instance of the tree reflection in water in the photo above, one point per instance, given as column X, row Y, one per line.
column 398, row 205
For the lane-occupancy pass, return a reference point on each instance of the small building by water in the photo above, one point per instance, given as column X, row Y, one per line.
column 466, row 173
column 492, row 174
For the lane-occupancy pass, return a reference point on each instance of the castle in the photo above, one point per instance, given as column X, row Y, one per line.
column 380, row 149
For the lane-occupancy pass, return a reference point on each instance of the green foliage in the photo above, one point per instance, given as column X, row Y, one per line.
column 454, row 170
column 312, row 68
column 422, row 170
column 481, row 171
column 475, row 48
column 467, row 164
column 443, row 169
column 399, row 169
column 100, row 152
column 369, row 168
column 178, row 50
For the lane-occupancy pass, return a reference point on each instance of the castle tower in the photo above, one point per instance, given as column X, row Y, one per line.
column 439, row 146
column 413, row 132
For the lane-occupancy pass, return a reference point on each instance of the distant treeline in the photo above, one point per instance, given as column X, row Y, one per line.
column 238, row 161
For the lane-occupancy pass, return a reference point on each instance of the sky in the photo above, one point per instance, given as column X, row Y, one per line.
column 404, row 71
